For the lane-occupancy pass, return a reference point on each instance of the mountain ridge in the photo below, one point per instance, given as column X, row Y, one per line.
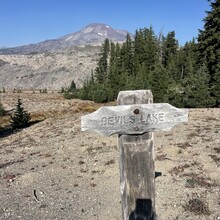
column 54, row 63
column 93, row 34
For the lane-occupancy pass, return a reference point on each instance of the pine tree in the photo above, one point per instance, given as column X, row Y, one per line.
column 72, row 86
column 102, row 68
column 145, row 49
column 197, row 92
column 101, row 93
column 209, row 46
column 159, row 83
column 20, row 118
column 170, row 46
column 128, row 55
column 142, row 78
column 175, row 74
column 190, row 57
column 215, row 90
column 139, row 45
column 209, row 39
column 151, row 48
column 114, row 71
column 184, row 61
column 175, row 66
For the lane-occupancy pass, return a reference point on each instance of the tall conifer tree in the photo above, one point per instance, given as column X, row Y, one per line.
column 209, row 46
column 170, row 46
column 101, row 69
column 197, row 91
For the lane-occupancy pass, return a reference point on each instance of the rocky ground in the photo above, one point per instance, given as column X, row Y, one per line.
column 51, row 170
column 51, row 70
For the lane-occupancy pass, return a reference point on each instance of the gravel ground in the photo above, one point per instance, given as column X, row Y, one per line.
column 51, row 170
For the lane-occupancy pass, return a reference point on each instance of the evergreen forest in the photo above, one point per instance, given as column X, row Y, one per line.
column 184, row 76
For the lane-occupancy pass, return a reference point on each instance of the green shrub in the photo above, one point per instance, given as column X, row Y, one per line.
column 70, row 92
column 62, row 90
column 69, row 95
column 100, row 96
column 72, row 86
column 20, row 118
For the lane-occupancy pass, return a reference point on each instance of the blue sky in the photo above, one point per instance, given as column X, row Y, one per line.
column 31, row 21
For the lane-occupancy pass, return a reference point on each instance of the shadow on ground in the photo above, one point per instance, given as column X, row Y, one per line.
column 7, row 131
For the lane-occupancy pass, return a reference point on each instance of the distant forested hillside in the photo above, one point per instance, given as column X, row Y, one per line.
column 185, row 76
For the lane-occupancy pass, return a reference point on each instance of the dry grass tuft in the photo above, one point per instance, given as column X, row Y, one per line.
column 38, row 116
column 217, row 150
column 197, row 206
column 4, row 122
column 194, row 180
column 193, row 134
column 211, row 119
column 184, row 145
column 161, row 157
column 110, row 162
column 216, row 159
column 94, row 150
column 179, row 169
column 85, row 107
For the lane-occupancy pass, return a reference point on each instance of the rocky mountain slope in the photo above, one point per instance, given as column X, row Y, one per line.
column 93, row 34
column 53, row 64
column 51, row 70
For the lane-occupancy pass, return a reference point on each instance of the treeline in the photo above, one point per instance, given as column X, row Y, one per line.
column 185, row 76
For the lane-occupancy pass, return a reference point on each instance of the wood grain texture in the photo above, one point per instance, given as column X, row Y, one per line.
column 137, row 166
column 134, row 119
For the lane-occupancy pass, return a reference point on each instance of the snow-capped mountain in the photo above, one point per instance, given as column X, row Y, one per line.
column 52, row 64
column 93, row 34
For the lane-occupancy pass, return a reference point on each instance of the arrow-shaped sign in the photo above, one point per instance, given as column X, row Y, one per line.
column 134, row 119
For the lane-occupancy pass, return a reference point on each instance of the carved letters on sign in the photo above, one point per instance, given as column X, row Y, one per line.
column 134, row 119
column 144, row 119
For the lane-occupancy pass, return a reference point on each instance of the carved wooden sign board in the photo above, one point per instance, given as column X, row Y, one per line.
column 134, row 119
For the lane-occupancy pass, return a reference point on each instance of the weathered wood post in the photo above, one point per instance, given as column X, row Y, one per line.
column 134, row 119
column 137, row 164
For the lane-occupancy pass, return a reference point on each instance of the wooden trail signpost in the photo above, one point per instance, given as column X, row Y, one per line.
column 134, row 119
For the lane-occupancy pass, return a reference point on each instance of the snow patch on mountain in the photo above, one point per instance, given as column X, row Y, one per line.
column 69, row 38
column 93, row 34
